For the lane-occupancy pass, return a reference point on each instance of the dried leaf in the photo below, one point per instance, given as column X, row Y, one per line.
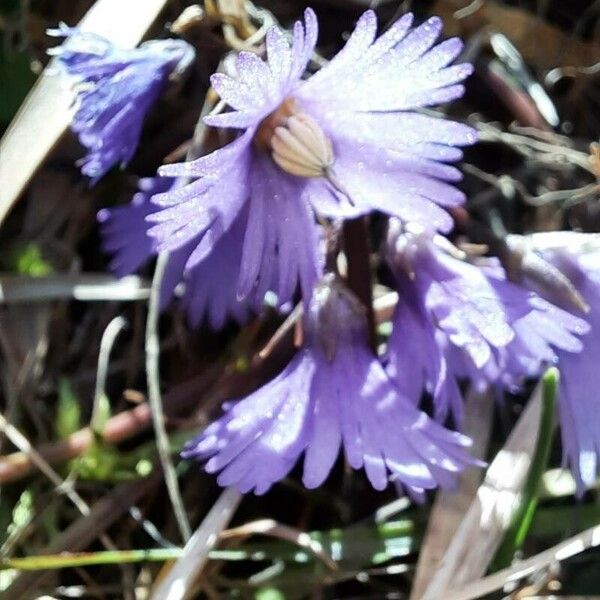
column 450, row 506
column 490, row 515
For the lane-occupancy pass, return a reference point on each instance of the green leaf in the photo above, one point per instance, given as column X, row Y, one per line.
column 29, row 261
column 107, row 463
column 269, row 593
column 68, row 415
column 23, row 510
column 98, row 462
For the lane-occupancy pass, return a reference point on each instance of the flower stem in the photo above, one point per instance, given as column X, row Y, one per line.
column 155, row 398
column 356, row 247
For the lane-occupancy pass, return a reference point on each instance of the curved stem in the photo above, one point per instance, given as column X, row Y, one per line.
column 155, row 399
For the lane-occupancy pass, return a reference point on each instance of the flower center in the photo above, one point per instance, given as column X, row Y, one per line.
column 297, row 143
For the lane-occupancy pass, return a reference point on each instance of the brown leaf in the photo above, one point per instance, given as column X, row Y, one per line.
column 524, row 29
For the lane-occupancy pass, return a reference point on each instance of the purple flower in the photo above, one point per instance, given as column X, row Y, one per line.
column 462, row 320
column 116, row 88
column 416, row 358
column 579, row 408
column 344, row 142
column 210, row 289
column 334, row 393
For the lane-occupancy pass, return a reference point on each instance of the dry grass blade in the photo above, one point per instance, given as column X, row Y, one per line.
column 450, row 506
column 590, row 538
column 46, row 112
column 284, row 532
column 21, row 442
column 86, row 287
column 106, row 343
column 180, row 579
column 489, row 516
column 64, row 487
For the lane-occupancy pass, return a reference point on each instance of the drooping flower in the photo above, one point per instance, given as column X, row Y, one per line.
column 116, row 89
column 344, row 142
column 416, row 358
column 579, row 400
column 463, row 320
column 210, row 287
column 334, row 393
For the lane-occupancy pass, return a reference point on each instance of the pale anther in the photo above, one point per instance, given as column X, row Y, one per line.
column 301, row 148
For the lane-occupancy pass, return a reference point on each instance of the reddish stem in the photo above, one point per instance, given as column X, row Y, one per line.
column 356, row 247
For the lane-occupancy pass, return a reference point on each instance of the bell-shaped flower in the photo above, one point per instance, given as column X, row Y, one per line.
column 333, row 394
column 340, row 143
column 459, row 320
column 116, row 88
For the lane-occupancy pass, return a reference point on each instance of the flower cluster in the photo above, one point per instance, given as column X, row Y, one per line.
column 307, row 150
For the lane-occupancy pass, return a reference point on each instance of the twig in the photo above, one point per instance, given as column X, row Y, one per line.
column 155, row 400
column 180, row 578
column 126, row 424
column 118, row 428
column 129, row 423
column 534, row 148
column 507, row 183
column 356, row 247
column 21, row 442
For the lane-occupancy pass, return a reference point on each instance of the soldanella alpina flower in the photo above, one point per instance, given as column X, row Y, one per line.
column 577, row 257
column 116, row 89
column 333, row 394
column 462, row 320
column 340, row 143
column 209, row 288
